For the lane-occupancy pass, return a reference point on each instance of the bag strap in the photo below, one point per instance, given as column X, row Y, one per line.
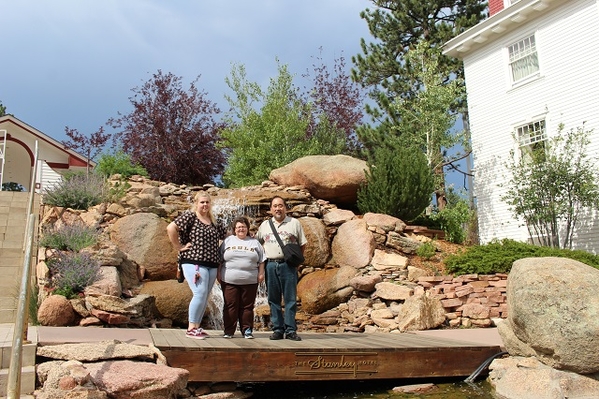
column 272, row 226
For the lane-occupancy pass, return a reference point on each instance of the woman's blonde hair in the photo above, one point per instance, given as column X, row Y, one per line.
column 203, row 194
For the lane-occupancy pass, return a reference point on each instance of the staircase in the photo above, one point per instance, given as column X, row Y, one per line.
column 13, row 223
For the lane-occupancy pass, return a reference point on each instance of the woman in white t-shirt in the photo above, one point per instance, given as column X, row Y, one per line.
column 240, row 273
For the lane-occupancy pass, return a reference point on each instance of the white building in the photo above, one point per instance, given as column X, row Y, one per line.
column 531, row 66
column 17, row 156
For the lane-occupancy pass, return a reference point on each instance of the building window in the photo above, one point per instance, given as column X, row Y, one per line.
column 524, row 60
column 531, row 137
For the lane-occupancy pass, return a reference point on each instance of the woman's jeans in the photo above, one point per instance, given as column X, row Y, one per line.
column 281, row 281
column 200, row 289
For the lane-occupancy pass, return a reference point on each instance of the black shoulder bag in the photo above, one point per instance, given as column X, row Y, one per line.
column 292, row 252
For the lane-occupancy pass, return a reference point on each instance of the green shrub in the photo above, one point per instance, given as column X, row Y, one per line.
column 70, row 237
column 452, row 220
column 426, row 250
column 399, row 183
column 117, row 190
column 76, row 191
column 498, row 257
column 72, row 272
column 119, row 162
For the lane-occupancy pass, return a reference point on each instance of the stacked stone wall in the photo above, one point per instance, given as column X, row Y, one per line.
column 470, row 300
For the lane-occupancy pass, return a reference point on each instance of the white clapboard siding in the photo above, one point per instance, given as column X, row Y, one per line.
column 46, row 177
column 566, row 91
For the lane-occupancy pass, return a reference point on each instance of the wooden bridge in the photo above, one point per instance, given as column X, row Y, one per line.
column 320, row 356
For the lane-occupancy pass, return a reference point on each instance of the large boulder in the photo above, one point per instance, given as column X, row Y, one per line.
column 172, row 299
column 56, row 311
column 318, row 249
column 420, row 312
column 353, row 245
column 128, row 379
column 552, row 313
column 142, row 236
column 172, row 302
column 334, row 178
column 527, row 378
column 325, row 289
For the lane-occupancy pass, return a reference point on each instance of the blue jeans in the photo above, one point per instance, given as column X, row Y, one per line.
column 200, row 289
column 281, row 281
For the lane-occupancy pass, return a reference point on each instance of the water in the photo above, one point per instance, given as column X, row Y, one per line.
column 227, row 209
column 371, row 389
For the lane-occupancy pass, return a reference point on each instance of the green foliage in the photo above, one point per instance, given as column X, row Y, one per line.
column 396, row 28
column 70, row 237
column 32, row 305
column 119, row 163
column 427, row 250
column 12, row 186
column 76, row 191
column 117, row 190
column 452, row 220
column 72, row 272
column 498, row 257
column 552, row 184
column 269, row 129
column 399, row 183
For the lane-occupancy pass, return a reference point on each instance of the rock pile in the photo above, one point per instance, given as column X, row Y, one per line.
column 353, row 262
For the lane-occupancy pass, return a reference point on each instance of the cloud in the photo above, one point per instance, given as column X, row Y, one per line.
column 74, row 63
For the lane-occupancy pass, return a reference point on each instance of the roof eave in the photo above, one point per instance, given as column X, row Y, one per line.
column 494, row 27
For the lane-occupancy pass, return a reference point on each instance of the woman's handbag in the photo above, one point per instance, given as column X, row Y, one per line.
column 292, row 252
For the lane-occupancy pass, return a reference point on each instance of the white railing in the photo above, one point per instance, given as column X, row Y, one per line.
column 13, row 390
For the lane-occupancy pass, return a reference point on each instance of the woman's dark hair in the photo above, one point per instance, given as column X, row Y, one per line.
column 240, row 219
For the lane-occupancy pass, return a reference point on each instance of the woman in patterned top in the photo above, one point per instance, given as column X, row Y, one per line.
column 196, row 236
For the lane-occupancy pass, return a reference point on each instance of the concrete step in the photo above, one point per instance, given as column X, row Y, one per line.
column 28, row 368
column 28, row 375
column 27, row 381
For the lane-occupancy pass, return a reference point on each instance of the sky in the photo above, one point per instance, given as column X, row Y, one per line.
column 74, row 62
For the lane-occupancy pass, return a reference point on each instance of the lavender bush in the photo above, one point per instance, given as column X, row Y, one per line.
column 70, row 237
column 76, row 191
column 72, row 272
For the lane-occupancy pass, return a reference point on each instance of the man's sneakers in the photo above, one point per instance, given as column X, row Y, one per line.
column 196, row 333
column 228, row 336
column 293, row 336
column 276, row 336
column 248, row 334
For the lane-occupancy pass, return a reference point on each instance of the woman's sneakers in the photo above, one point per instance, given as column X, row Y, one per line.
column 196, row 333
column 248, row 334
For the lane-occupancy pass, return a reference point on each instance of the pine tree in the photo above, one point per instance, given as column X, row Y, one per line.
column 399, row 183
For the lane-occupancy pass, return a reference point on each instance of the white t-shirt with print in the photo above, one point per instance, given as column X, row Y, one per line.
column 241, row 260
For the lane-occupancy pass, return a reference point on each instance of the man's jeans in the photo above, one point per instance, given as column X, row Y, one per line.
column 281, row 280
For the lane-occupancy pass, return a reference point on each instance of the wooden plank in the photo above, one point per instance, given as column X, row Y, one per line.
column 327, row 365
column 320, row 356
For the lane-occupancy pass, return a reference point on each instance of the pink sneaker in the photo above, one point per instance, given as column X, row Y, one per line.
column 194, row 333
column 202, row 332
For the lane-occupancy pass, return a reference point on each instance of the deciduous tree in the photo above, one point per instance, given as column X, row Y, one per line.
column 90, row 146
column 270, row 128
column 336, row 96
column 172, row 132
column 551, row 185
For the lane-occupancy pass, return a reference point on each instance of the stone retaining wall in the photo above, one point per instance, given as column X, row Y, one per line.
column 470, row 300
